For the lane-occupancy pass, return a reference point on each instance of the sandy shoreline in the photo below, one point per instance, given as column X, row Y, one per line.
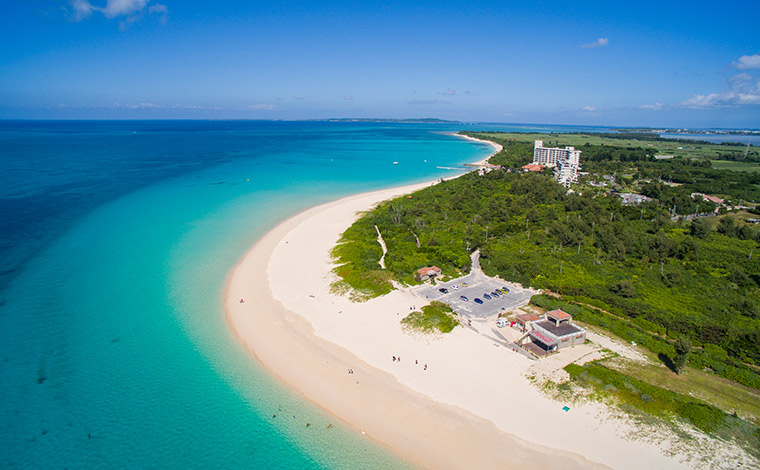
column 425, row 432
column 456, row 401
column 497, row 148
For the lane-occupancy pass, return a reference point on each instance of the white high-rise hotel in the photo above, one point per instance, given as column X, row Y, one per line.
column 566, row 161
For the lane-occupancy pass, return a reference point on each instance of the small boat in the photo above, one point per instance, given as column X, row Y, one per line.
column 395, row 163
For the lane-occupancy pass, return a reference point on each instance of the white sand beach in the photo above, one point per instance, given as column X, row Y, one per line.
column 473, row 407
column 497, row 148
column 454, row 401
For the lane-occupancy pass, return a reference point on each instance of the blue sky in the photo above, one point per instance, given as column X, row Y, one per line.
column 658, row 64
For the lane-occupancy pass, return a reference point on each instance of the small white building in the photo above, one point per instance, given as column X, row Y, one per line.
column 632, row 199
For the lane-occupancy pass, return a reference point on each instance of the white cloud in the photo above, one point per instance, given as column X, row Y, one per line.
column 144, row 106
column 748, row 62
column 744, row 88
column 448, row 92
column 654, row 106
column 348, row 98
column 132, row 10
column 158, row 8
column 80, row 9
column 116, row 8
column 588, row 109
column 424, row 102
column 262, row 107
column 601, row 42
column 724, row 100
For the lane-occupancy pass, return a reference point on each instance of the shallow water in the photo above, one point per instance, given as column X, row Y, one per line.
column 117, row 238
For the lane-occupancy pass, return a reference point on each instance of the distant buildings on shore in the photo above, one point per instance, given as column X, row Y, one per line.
column 566, row 161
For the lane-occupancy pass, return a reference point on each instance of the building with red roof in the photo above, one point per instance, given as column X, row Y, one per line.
column 555, row 333
column 423, row 274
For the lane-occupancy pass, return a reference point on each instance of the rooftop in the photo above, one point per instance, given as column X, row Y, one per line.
column 559, row 314
column 429, row 269
column 532, row 167
column 526, row 317
column 543, row 338
column 559, row 331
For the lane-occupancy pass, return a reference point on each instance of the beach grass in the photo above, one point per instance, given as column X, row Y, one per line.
column 636, row 396
column 434, row 318
column 717, row 391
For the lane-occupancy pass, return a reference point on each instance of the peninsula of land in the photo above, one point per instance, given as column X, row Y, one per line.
column 460, row 400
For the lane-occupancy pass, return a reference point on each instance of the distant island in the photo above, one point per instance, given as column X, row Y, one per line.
column 406, row 121
column 749, row 132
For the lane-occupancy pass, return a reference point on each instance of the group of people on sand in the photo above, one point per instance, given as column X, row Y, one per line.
column 398, row 358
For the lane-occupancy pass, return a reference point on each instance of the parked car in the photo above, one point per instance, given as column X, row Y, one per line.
column 505, row 290
column 464, row 298
column 495, row 294
column 443, row 290
column 464, row 284
column 455, row 287
column 486, row 296
column 477, row 300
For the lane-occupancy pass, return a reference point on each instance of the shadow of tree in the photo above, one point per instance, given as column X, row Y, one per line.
column 667, row 361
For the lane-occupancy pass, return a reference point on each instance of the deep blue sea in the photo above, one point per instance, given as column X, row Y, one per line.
column 116, row 238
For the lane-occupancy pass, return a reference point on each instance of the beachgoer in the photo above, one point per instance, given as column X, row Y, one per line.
column 425, row 367
column 394, row 358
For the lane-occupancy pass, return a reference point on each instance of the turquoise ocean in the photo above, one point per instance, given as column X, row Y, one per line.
column 116, row 240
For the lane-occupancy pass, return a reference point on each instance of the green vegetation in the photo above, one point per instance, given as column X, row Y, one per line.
column 434, row 318
column 357, row 255
column 650, row 144
column 704, row 386
column 632, row 270
column 637, row 396
column 682, row 348
column 736, row 165
column 647, row 335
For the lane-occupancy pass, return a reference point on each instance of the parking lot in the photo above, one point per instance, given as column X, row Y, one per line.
column 474, row 286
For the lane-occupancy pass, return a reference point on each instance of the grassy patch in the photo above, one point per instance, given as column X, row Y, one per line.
column 705, row 386
column 735, row 165
column 434, row 318
column 633, row 394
